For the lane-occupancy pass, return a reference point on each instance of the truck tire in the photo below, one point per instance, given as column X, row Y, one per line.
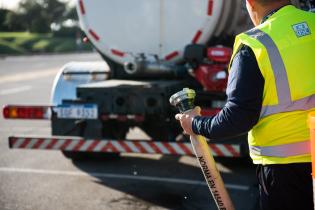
column 115, row 130
column 112, row 130
column 159, row 131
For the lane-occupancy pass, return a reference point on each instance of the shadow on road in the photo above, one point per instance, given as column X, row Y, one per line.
column 173, row 191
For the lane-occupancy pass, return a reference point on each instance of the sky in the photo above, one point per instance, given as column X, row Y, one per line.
column 12, row 4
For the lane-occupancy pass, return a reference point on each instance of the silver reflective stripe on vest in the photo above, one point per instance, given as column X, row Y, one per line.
column 279, row 71
column 282, row 84
column 287, row 150
column 301, row 104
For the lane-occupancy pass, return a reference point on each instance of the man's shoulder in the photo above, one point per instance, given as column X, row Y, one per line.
column 245, row 51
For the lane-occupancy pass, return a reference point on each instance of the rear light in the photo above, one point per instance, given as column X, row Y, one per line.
column 26, row 112
column 86, row 40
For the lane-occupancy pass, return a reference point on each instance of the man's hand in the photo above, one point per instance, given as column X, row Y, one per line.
column 187, row 118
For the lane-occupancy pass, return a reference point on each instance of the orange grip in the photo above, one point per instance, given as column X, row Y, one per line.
column 311, row 124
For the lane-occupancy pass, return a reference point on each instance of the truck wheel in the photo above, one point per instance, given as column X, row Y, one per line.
column 115, row 130
column 111, row 130
column 161, row 131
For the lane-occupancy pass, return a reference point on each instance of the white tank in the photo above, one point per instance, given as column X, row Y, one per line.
column 158, row 29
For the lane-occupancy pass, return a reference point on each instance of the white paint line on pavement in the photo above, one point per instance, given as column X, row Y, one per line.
column 118, row 176
column 15, row 90
column 28, row 75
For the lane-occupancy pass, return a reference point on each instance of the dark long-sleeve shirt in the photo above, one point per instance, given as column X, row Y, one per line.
column 244, row 100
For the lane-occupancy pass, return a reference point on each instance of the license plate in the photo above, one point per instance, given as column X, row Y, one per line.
column 77, row 111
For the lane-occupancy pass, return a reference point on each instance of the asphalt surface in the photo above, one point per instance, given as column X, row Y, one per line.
column 45, row 180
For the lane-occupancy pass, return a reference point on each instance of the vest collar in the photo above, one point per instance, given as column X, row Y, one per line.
column 273, row 12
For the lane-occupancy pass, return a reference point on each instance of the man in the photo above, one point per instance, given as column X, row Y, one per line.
column 271, row 89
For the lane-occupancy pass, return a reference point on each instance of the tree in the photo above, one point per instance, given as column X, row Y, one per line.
column 54, row 10
column 71, row 13
column 3, row 15
column 37, row 16
column 14, row 22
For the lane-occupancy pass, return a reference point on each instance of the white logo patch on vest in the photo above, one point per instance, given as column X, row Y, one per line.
column 301, row 29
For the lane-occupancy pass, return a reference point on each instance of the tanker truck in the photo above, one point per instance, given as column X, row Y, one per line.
column 151, row 49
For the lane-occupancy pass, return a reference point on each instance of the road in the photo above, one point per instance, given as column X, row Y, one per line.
column 46, row 180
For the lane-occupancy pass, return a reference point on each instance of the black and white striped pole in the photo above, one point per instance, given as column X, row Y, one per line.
column 184, row 101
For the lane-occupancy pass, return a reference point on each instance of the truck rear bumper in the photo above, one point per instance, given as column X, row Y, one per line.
column 76, row 144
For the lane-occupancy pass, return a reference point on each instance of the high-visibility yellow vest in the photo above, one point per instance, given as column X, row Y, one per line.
column 284, row 47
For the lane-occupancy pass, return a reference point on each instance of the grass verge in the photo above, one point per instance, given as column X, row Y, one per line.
column 17, row 43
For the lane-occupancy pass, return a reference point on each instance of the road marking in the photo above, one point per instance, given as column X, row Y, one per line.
column 118, row 176
column 15, row 90
column 28, row 76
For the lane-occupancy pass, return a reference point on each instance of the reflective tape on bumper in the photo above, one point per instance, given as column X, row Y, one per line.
column 118, row 146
